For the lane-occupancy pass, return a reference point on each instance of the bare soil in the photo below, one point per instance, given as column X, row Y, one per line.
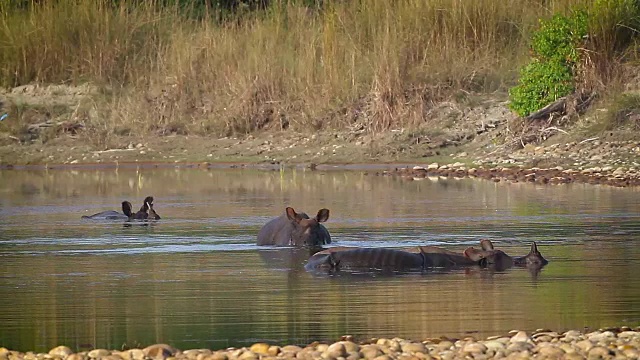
column 478, row 130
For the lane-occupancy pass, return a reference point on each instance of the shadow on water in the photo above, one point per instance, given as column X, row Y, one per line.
column 196, row 278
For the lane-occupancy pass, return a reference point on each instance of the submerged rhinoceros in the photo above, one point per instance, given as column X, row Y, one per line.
column 296, row 229
column 418, row 259
column 499, row 260
column 146, row 212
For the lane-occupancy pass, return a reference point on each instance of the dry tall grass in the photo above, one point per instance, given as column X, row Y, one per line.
column 377, row 63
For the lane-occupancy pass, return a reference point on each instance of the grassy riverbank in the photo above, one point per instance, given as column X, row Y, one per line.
column 364, row 70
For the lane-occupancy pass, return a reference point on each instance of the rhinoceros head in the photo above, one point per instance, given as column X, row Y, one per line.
column 308, row 231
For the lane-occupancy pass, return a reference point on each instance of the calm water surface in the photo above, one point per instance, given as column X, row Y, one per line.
column 197, row 279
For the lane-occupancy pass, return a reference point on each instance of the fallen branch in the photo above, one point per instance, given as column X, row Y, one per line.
column 589, row 139
column 556, row 129
column 64, row 126
column 113, row 150
column 556, row 106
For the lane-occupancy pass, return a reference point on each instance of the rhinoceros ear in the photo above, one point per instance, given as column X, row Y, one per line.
column 126, row 208
column 534, row 248
column 486, row 244
column 292, row 215
column 323, row 215
column 473, row 254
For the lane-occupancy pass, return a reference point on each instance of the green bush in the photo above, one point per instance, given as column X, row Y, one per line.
column 550, row 75
column 559, row 38
column 541, row 82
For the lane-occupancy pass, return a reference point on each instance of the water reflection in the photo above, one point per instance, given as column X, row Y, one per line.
column 197, row 279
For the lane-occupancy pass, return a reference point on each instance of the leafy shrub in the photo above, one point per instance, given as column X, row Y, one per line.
column 541, row 82
column 550, row 75
column 558, row 38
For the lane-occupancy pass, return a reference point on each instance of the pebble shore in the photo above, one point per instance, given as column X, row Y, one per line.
column 613, row 163
column 618, row 177
column 610, row 343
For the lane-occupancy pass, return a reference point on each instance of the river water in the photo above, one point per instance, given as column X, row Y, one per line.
column 196, row 278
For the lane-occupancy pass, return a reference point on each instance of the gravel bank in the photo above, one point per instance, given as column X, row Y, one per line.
column 610, row 343
column 607, row 175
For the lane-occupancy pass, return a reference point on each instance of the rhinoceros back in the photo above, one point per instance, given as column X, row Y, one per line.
column 276, row 232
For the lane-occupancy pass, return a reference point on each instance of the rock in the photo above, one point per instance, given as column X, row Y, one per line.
column 521, row 336
column 599, row 336
column 619, row 172
column 218, row 355
column 60, row 351
column 413, row 347
column 77, row 357
column 260, row 348
column 628, row 334
column 550, row 351
column 248, row 355
column 336, row 350
column 98, row 353
column 193, row 354
column 584, row 345
column 350, row 346
column 136, row 354
column 382, row 357
column 273, row 350
column 291, row 349
column 631, row 353
column 519, row 346
column 543, row 339
column 444, row 345
column 569, row 348
column 572, row 335
column 370, row 351
column 113, row 357
column 598, row 352
column 494, row 345
column 159, row 351
column 573, row 356
column 474, row 347
column 447, row 355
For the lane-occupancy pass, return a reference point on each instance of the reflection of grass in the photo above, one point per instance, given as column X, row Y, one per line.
column 374, row 196
column 536, row 208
